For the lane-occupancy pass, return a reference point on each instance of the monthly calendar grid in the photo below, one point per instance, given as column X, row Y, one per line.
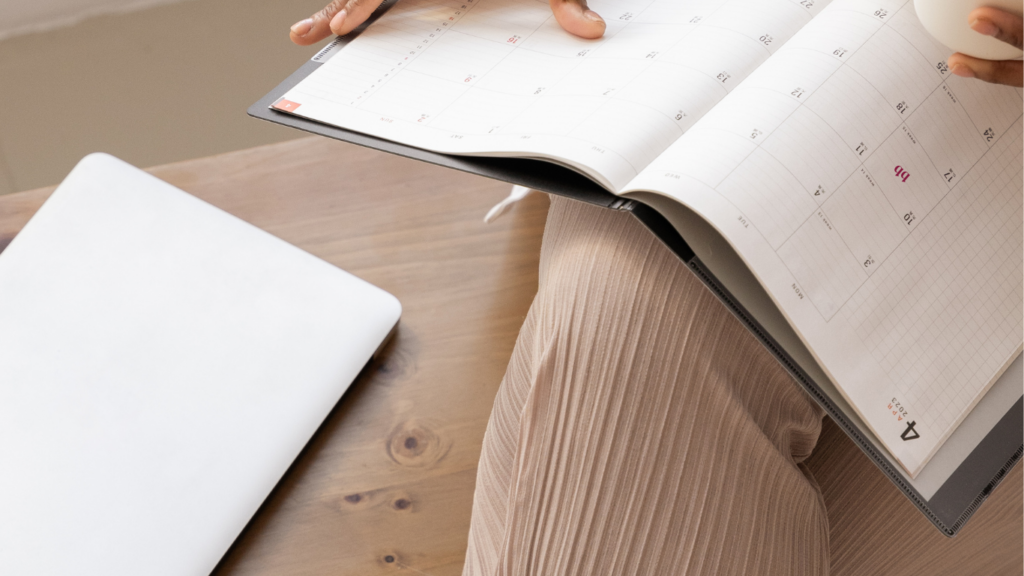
column 440, row 29
column 916, row 378
column 696, row 99
column 515, row 45
column 767, row 135
column 938, row 84
column 578, row 62
column 853, row 172
column 927, row 321
column 969, row 214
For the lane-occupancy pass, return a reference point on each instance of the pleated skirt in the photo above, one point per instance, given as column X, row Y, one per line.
column 640, row 429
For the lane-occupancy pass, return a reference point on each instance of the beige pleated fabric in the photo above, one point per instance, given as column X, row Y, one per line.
column 640, row 429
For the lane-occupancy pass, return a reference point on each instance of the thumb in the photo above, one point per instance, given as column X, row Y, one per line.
column 352, row 15
column 339, row 17
column 576, row 18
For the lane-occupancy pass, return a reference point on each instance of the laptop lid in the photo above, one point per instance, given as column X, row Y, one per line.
column 162, row 363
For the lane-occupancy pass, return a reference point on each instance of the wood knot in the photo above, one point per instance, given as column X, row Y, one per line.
column 358, row 501
column 390, row 560
column 416, row 444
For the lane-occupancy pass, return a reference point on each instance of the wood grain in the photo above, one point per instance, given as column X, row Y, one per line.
column 386, row 485
column 875, row 530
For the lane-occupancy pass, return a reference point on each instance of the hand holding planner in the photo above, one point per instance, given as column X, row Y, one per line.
column 343, row 16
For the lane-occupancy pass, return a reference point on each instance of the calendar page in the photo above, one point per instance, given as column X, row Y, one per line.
column 878, row 198
column 501, row 78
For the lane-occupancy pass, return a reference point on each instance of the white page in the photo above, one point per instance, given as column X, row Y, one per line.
column 500, row 77
column 879, row 200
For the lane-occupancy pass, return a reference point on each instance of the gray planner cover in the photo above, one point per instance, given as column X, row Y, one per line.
column 948, row 491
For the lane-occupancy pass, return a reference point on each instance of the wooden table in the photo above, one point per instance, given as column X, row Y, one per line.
column 386, row 485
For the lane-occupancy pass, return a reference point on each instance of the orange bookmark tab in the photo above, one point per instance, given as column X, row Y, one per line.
column 286, row 105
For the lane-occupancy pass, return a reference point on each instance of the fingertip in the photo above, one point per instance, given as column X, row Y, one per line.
column 975, row 14
column 300, row 40
column 960, row 66
column 300, row 30
column 962, row 70
column 984, row 26
column 985, row 13
column 338, row 23
column 302, row 27
column 588, row 32
column 578, row 21
column 595, row 25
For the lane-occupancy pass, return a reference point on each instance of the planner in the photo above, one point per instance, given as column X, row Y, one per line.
column 875, row 198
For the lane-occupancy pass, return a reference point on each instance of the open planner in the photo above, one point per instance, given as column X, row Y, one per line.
column 814, row 161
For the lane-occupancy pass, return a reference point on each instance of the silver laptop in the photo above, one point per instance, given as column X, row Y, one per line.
column 162, row 363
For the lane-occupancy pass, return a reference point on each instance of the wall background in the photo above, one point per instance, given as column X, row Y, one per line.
column 27, row 16
column 150, row 82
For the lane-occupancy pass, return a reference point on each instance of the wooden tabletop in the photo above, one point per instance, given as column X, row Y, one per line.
column 386, row 485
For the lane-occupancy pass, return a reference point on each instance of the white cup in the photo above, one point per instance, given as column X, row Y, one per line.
column 947, row 21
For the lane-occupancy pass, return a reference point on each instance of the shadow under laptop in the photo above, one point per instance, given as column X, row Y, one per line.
column 394, row 361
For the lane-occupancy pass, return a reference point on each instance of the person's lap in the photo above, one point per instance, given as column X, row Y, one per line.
column 640, row 429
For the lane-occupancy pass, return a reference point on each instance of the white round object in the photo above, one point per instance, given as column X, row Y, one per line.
column 947, row 21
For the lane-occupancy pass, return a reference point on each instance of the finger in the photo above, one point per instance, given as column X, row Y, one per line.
column 1007, row 72
column 316, row 27
column 352, row 15
column 339, row 17
column 998, row 24
column 576, row 18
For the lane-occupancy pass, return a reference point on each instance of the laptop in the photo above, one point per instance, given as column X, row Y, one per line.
column 162, row 364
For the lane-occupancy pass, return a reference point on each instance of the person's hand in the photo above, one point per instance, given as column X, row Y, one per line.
column 998, row 24
column 343, row 16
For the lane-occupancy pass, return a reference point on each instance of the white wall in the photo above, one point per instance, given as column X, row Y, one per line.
column 25, row 16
